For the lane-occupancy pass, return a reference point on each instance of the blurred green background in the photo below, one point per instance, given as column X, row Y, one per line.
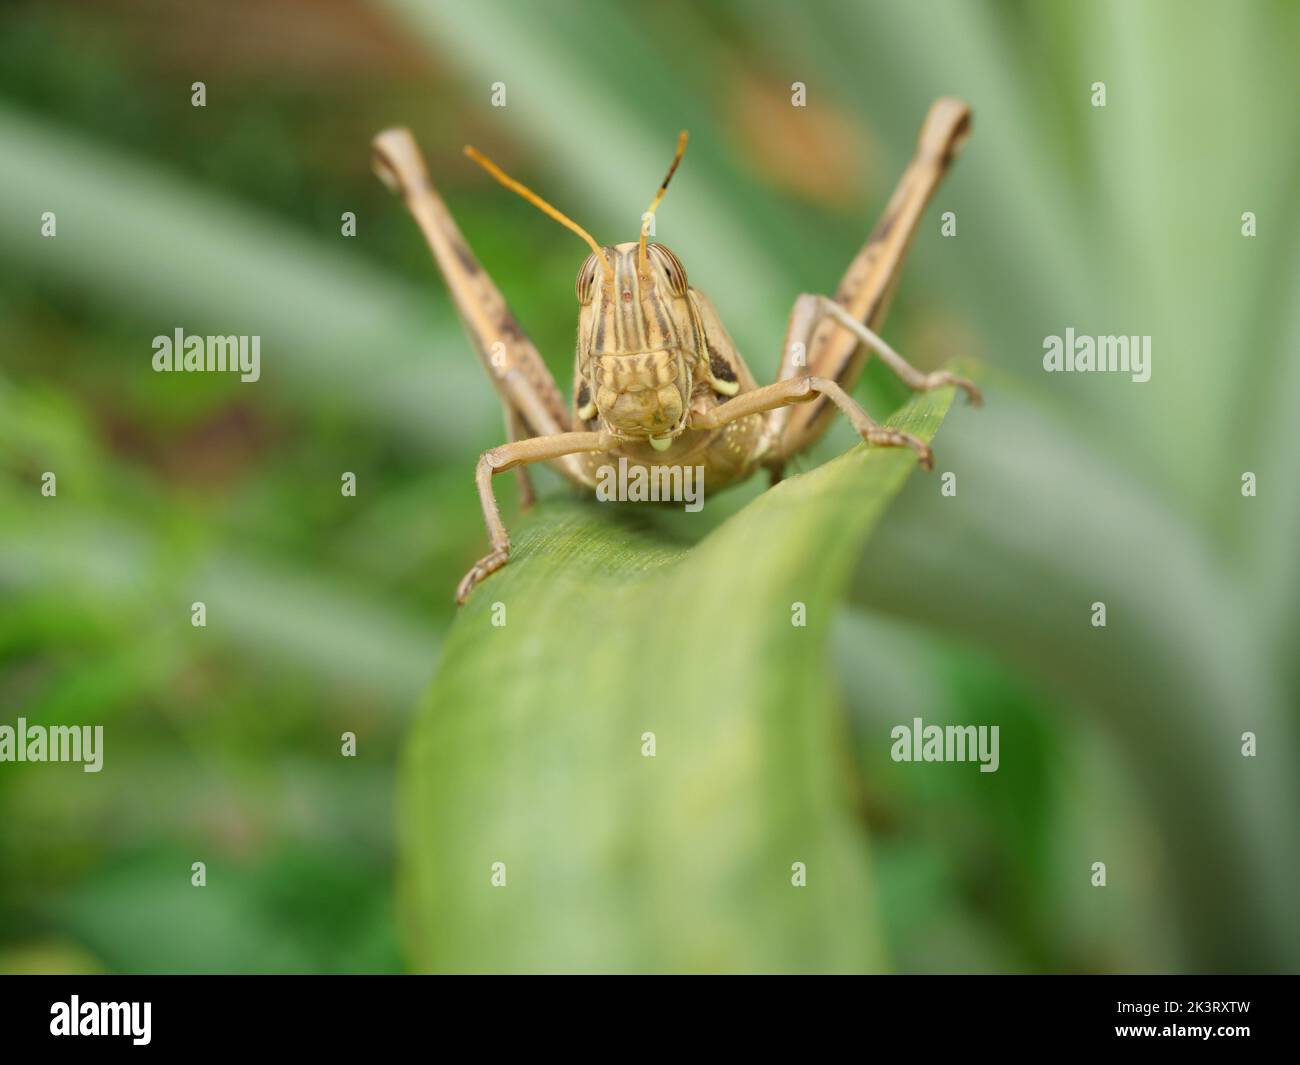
column 326, row 613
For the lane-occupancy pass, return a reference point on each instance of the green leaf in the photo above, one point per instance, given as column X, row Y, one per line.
column 528, row 748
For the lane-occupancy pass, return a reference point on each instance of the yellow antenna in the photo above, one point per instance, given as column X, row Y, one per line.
column 654, row 204
column 532, row 197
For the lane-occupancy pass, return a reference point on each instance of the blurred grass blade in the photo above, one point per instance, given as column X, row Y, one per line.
column 133, row 237
column 90, row 555
column 682, row 861
column 1177, row 674
column 271, row 611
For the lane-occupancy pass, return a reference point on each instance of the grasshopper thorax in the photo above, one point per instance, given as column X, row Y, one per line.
column 638, row 342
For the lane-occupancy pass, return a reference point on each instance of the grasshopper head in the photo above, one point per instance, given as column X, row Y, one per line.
column 637, row 339
column 637, row 335
column 637, row 342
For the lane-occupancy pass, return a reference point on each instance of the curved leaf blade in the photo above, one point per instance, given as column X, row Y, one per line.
column 528, row 748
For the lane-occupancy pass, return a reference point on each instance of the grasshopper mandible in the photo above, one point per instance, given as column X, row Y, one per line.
column 657, row 379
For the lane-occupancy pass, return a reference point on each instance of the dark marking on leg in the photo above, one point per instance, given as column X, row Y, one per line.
column 508, row 327
column 466, row 258
column 883, row 229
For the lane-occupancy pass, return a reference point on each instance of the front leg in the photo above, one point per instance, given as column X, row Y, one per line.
column 517, row 430
column 508, row 457
column 801, row 390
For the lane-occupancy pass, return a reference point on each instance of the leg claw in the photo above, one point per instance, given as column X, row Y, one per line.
column 894, row 438
column 942, row 378
column 484, row 567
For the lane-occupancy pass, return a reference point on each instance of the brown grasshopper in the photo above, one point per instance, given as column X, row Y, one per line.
column 657, row 379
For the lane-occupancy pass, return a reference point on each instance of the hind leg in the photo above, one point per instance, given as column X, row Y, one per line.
column 835, row 351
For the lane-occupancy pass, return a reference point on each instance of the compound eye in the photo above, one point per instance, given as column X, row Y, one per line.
column 586, row 285
column 673, row 267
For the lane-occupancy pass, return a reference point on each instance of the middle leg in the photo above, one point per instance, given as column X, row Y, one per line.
column 784, row 437
column 909, row 374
